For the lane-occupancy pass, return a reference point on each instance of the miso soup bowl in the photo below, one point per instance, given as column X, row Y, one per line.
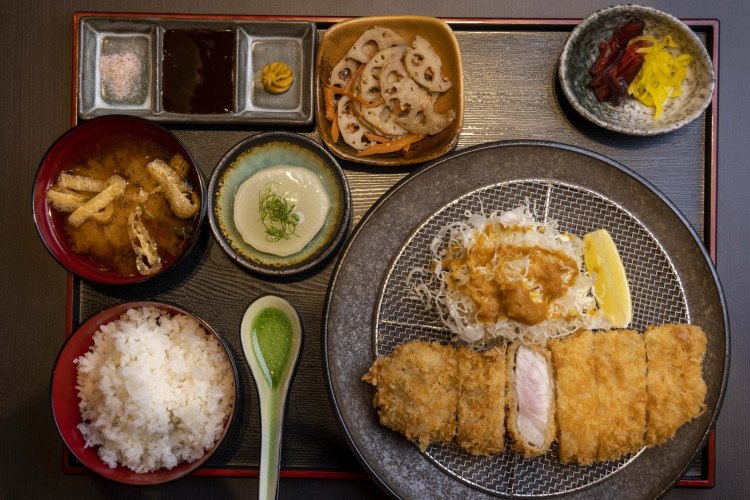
column 71, row 147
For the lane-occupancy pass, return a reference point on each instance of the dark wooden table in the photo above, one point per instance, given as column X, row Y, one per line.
column 36, row 82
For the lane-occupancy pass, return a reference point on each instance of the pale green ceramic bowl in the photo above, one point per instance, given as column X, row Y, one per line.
column 256, row 153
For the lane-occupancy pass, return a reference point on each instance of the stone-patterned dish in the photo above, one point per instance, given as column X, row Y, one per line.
column 265, row 150
column 632, row 117
column 369, row 311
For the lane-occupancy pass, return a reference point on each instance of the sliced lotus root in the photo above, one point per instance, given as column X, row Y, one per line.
column 398, row 89
column 425, row 67
column 351, row 128
column 379, row 118
column 369, row 79
column 372, row 41
column 425, row 120
column 383, row 120
column 413, row 104
column 343, row 71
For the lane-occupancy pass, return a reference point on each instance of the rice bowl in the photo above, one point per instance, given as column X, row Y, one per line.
column 143, row 393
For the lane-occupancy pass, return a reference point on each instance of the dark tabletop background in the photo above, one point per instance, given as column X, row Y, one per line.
column 35, row 80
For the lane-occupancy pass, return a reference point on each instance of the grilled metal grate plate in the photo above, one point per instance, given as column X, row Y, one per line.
column 656, row 290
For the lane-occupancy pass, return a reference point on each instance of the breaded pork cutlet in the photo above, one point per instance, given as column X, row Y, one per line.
column 481, row 401
column 531, row 399
column 577, row 401
column 417, row 391
column 676, row 390
column 620, row 371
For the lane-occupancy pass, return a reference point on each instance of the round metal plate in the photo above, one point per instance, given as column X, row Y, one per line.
column 368, row 311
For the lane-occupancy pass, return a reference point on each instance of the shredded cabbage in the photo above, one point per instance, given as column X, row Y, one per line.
column 436, row 288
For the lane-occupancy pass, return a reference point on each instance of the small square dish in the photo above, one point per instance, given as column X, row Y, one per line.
column 389, row 90
column 194, row 70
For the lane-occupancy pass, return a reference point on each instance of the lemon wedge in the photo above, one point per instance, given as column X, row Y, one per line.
column 611, row 287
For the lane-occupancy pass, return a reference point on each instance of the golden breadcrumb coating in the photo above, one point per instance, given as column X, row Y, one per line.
column 577, row 402
column 417, row 391
column 521, row 442
column 676, row 390
column 620, row 371
column 612, row 393
column 481, row 401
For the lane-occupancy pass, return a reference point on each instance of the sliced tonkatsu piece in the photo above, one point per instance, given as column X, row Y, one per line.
column 619, row 360
column 676, row 390
column 531, row 399
column 417, row 391
column 576, row 401
column 481, row 401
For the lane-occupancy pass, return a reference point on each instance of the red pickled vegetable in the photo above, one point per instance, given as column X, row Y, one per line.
column 609, row 51
column 623, row 62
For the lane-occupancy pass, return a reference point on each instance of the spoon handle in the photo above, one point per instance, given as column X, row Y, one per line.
column 271, row 422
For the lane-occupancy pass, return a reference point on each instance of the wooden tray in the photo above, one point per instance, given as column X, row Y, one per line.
column 511, row 93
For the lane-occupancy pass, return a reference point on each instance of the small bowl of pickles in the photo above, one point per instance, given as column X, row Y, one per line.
column 636, row 70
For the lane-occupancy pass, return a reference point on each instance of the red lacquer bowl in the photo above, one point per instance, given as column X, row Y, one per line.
column 68, row 149
column 67, row 416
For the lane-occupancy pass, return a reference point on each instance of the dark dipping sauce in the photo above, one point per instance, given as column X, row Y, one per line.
column 198, row 71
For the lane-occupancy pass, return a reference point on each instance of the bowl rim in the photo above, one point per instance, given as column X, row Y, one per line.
column 43, row 225
column 94, row 323
column 376, row 160
column 343, row 223
column 589, row 21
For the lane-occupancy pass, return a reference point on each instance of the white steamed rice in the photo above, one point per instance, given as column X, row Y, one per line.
column 154, row 390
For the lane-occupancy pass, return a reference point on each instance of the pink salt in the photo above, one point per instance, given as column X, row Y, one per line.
column 121, row 74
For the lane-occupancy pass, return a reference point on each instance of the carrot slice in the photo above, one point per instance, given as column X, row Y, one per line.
column 377, row 138
column 356, row 97
column 328, row 95
column 356, row 74
column 335, row 128
column 392, row 146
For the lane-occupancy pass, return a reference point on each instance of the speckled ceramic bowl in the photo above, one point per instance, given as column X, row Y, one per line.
column 265, row 150
column 632, row 117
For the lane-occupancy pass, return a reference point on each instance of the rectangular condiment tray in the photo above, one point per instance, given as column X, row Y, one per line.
column 127, row 66
column 511, row 93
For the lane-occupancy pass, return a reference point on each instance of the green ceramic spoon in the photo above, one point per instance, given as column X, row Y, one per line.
column 271, row 334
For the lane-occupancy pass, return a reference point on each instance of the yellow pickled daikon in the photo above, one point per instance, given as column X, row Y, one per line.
column 661, row 75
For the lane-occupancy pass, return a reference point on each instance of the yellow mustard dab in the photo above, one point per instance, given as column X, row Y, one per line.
column 277, row 77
